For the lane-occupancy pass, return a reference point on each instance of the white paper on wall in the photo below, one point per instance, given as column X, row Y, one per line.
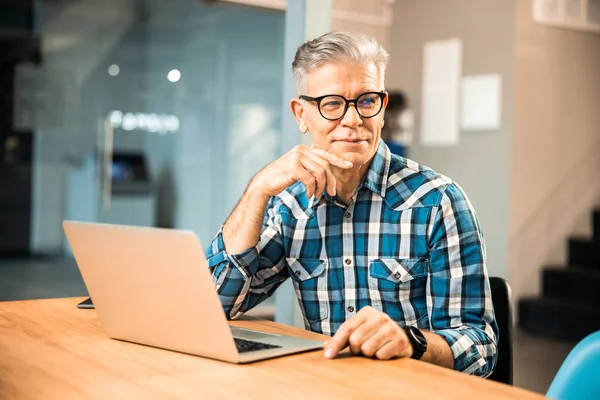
column 547, row 11
column 481, row 102
column 442, row 65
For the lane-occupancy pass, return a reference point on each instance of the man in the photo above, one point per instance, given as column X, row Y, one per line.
column 385, row 255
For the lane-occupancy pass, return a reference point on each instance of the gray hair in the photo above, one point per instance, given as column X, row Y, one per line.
column 344, row 47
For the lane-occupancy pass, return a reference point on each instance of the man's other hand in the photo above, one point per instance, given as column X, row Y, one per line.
column 371, row 333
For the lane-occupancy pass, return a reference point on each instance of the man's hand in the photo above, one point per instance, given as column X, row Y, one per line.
column 310, row 165
column 371, row 333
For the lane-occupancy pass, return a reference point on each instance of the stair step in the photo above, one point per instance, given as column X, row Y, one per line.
column 584, row 252
column 596, row 224
column 573, row 283
column 558, row 319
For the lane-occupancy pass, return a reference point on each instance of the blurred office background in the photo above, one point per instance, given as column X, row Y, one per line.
column 158, row 112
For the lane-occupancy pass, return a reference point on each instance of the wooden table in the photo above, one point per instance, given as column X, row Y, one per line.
column 51, row 349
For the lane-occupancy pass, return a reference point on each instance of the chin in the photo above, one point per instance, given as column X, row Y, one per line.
column 357, row 156
column 354, row 157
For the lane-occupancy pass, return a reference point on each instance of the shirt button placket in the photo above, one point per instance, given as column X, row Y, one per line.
column 348, row 262
column 347, row 258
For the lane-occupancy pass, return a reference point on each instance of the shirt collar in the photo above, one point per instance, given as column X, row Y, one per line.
column 376, row 177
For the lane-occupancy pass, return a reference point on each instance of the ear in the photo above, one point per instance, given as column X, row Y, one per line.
column 298, row 111
column 385, row 103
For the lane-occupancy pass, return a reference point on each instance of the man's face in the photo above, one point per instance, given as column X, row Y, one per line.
column 352, row 137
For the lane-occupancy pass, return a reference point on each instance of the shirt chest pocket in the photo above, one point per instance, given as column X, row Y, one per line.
column 398, row 270
column 303, row 269
column 310, row 280
column 402, row 286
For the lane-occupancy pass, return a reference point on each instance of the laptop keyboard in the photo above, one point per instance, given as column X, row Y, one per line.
column 245, row 346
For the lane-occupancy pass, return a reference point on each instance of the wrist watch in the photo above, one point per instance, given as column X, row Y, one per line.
column 418, row 341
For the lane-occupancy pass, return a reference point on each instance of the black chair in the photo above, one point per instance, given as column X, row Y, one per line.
column 503, row 310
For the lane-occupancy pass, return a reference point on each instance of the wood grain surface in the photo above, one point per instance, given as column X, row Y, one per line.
column 50, row 349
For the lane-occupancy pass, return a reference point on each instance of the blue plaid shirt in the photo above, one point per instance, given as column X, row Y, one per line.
column 408, row 244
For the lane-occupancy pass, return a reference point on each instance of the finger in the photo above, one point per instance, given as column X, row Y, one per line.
column 318, row 172
column 389, row 350
column 332, row 158
column 372, row 345
column 339, row 341
column 331, row 181
column 363, row 333
column 307, row 179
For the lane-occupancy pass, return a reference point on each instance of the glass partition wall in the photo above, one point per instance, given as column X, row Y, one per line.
column 143, row 112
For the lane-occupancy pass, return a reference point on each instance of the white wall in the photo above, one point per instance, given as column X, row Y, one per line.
column 480, row 163
column 555, row 177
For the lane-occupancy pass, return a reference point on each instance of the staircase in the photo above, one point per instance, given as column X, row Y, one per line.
column 569, row 308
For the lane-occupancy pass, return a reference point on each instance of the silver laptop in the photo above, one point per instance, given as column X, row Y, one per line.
column 152, row 286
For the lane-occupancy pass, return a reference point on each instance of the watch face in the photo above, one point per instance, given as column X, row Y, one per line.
column 418, row 342
column 419, row 336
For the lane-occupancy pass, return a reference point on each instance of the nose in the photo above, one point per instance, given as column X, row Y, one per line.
column 351, row 119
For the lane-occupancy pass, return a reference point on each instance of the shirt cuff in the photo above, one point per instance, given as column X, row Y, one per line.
column 242, row 261
column 469, row 357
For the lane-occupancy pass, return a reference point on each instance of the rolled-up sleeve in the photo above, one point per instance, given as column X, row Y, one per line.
column 246, row 279
column 459, row 295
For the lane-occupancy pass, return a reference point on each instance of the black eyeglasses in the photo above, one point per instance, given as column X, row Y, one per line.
column 333, row 107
